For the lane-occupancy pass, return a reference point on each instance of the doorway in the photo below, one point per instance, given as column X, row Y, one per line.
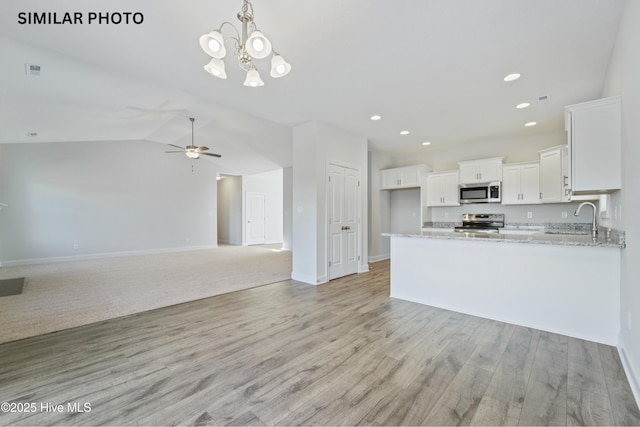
column 343, row 211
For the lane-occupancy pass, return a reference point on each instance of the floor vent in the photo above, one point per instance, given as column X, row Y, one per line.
column 9, row 287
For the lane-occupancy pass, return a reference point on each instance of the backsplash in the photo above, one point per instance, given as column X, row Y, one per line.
column 519, row 214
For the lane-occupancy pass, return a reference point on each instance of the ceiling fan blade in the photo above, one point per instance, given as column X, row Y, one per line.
column 177, row 146
column 201, row 149
column 210, row 154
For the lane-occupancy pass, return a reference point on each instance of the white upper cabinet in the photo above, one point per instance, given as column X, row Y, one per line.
column 483, row 170
column 404, row 177
column 521, row 183
column 442, row 189
column 594, row 132
column 554, row 174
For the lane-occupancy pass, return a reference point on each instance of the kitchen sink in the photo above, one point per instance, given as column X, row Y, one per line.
column 568, row 232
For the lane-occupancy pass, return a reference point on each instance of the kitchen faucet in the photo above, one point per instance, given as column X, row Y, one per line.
column 594, row 226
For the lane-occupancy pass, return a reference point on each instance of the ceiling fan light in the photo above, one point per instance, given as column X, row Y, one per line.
column 279, row 67
column 253, row 78
column 192, row 154
column 213, row 44
column 215, row 67
column 258, row 46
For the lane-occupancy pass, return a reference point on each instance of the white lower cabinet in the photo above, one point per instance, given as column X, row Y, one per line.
column 521, row 183
column 442, row 189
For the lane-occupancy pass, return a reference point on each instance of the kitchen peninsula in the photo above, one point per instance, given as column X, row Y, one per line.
column 562, row 283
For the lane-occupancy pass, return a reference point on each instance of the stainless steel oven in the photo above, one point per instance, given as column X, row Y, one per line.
column 489, row 192
column 481, row 223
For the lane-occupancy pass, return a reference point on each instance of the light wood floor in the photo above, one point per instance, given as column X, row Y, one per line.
column 290, row 354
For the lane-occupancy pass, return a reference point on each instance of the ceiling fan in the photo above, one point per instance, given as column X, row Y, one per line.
column 192, row 151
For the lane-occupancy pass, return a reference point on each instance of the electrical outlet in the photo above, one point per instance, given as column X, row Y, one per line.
column 446, row 215
column 529, row 215
column 564, row 214
column 75, row 246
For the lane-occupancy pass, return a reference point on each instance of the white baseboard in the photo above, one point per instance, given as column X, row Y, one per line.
column 305, row 278
column 634, row 380
column 230, row 242
column 363, row 268
column 376, row 258
column 86, row 257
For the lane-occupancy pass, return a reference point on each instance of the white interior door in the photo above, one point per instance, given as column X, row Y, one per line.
column 255, row 218
column 343, row 197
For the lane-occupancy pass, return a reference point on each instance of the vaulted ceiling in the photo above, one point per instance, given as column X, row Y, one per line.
column 433, row 67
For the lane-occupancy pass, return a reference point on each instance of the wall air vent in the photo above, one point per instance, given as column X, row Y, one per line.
column 32, row 69
column 544, row 99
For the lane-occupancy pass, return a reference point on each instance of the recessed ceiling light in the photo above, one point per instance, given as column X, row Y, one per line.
column 404, row 132
column 426, row 143
column 522, row 105
column 512, row 77
column 376, row 117
column 530, row 124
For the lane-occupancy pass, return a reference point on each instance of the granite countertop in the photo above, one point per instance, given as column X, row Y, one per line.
column 566, row 237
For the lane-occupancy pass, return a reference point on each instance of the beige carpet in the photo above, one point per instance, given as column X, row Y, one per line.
column 64, row 295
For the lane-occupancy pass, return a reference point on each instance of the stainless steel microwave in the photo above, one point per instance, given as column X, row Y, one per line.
column 489, row 192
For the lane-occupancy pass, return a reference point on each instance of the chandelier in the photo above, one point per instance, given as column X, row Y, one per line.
column 249, row 44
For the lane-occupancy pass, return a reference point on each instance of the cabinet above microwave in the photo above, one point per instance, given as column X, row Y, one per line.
column 481, row 170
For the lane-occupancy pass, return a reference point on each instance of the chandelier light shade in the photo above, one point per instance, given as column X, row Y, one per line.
column 249, row 44
column 253, row 78
column 279, row 67
column 258, row 46
column 213, row 44
column 216, row 67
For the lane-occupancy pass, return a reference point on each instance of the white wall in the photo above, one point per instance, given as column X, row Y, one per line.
column 624, row 79
column 271, row 184
column 305, row 204
column 230, row 210
column 287, row 208
column 379, row 207
column 405, row 209
column 314, row 145
column 105, row 197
